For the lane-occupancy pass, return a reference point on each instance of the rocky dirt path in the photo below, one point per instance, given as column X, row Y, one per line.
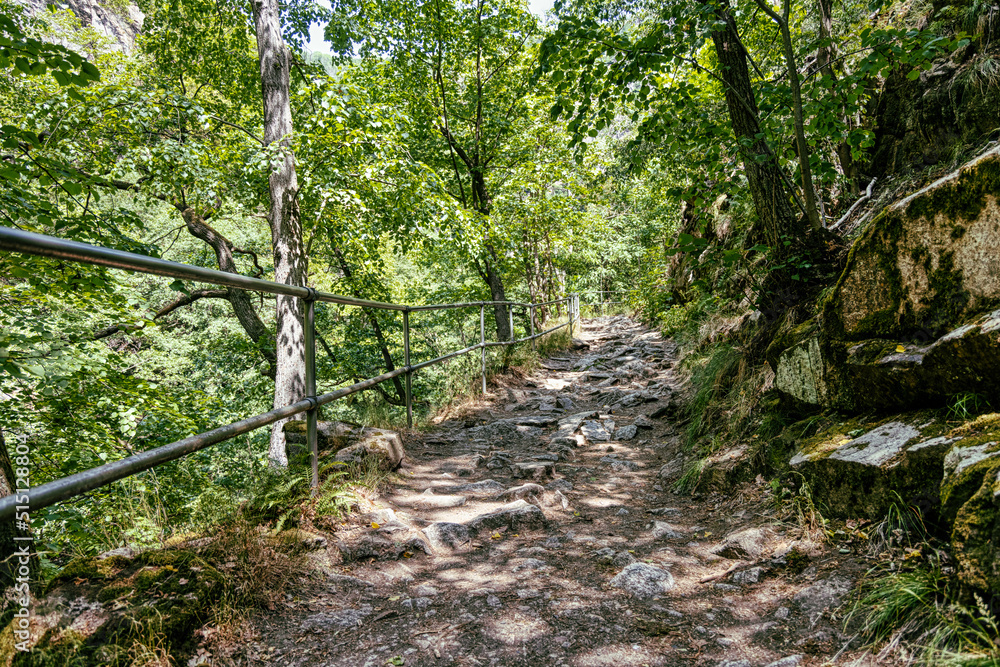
column 543, row 530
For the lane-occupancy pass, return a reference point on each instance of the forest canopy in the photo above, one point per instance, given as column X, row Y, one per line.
column 442, row 151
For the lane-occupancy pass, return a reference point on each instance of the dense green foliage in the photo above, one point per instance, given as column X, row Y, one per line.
column 439, row 151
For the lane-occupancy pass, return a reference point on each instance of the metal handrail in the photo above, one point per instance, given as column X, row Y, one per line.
column 15, row 240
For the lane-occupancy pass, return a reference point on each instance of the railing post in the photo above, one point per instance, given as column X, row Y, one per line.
column 409, row 373
column 313, row 414
column 482, row 341
column 531, row 324
column 510, row 319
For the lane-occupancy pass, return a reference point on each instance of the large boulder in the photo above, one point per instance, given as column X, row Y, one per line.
column 97, row 608
column 909, row 320
column 862, row 469
column 970, row 502
column 351, row 442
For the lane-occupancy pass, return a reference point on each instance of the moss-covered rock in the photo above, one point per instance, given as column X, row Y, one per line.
column 929, row 262
column 96, row 609
column 385, row 447
column 885, row 374
column 970, row 501
column 860, row 469
column 922, row 122
column 351, row 442
column 908, row 322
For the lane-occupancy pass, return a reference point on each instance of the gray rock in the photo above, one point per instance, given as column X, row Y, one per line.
column 642, row 421
column 626, row 432
column 748, row 544
column 934, row 281
column 961, row 458
column 622, row 559
column 485, row 487
column 970, row 492
column 336, row 620
column 425, row 591
column 663, row 511
column 522, row 491
column 789, row 661
column 672, row 469
column 782, row 612
column 537, row 470
column 663, row 530
column 726, row 588
column 385, row 447
column 643, row 581
column 669, row 409
column 822, row 595
column 528, row 593
column 594, row 431
column 565, row 402
column 516, row 515
column 429, row 500
column 864, row 475
column 416, row 604
column 494, row 601
column 446, row 535
column 605, row 555
column 568, row 425
column 560, row 485
column 622, row 512
column 734, row 663
column 573, row 441
column 744, row 577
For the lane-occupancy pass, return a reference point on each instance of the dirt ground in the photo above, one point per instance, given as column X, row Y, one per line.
column 512, row 539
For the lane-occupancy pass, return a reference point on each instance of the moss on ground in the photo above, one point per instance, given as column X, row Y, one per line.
column 117, row 602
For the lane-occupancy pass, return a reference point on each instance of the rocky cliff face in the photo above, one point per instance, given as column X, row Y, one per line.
column 952, row 106
column 913, row 319
column 120, row 21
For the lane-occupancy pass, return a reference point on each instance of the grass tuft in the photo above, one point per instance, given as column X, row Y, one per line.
column 924, row 609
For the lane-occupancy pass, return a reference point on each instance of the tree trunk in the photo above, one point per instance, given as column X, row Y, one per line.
column 824, row 62
column 771, row 200
column 14, row 551
column 488, row 272
column 8, row 562
column 805, row 167
column 283, row 216
column 801, row 146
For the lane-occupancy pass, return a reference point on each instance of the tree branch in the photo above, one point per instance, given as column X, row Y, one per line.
column 168, row 308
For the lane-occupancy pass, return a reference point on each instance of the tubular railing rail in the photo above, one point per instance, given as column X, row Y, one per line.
column 49, row 493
